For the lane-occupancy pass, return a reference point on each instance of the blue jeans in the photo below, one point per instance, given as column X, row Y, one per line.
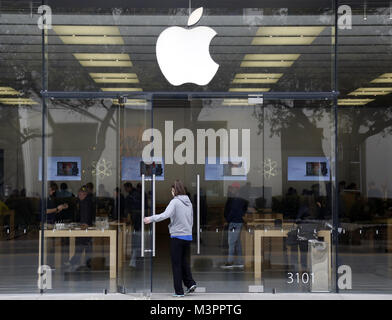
column 234, row 237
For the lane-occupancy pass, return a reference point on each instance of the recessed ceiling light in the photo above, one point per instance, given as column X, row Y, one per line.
column 249, row 89
column 103, row 59
column 371, row 92
column 132, row 102
column 113, row 75
column 286, row 35
column 122, row 89
column 385, row 78
column 89, row 35
column 17, row 101
column 272, row 57
column 102, row 56
column 104, row 63
column 87, row 30
column 282, row 41
column 354, row 102
column 8, row 91
column 290, row 31
column 238, row 81
column 278, row 64
column 236, row 102
column 115, row 80
column 259, row 75
column 92, row 40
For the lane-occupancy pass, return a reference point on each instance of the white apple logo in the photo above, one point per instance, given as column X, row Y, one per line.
column 183, row 54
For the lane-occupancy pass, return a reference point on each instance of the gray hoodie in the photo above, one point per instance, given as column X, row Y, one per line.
column 180, row 212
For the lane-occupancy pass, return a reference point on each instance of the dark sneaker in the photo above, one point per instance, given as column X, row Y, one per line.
column 190, row 290
column 227, row 266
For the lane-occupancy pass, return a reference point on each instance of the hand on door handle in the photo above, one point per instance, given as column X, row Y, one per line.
column 147, row 220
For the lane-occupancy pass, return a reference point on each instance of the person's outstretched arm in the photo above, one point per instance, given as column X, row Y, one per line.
column 164, row 215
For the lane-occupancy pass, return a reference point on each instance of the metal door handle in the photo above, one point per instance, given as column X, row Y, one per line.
column 142, row 235
column 198, row 214
column 153, row 213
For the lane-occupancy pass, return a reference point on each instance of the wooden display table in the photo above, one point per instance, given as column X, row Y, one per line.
column 248, row 238
column 260, row 234
column 72, row 234
column 122, row 240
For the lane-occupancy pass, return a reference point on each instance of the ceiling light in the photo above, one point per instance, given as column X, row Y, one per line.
column 235, row 102
column 255, row 81
column 8, row 91
column 102, row 56
column 114, row 77
column 282, row 41
column 272, row 57
column 89, row 34
column 105, row 63
column 92, row 40
column 286, row 35
column 132, row 102
column 385, row 78
column 371, row 92
column 87, row 30
column 249, row 89
column 257, row 77
column 103, row 59
column 281, row 64
column 290, row 31
column 354, row 102
column 115, row 80
column 122, row 89
column 17, row 101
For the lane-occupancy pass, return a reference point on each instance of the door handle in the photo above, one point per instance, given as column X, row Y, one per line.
column 153, row 213
column 198, row 214
column 142, row 235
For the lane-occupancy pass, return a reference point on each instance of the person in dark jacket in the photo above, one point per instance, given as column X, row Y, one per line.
column 52, row 209
column 118, row 211
column 235, row 209
column 86, row 212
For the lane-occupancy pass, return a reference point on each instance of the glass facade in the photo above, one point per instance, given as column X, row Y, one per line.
column 284, row 153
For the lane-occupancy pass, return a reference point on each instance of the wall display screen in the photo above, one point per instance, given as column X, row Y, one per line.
column 62, row 169
column 308, row 169
column 132, row 169
column 233, row 169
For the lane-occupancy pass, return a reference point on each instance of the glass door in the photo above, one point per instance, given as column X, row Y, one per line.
column 259, row 176
column 93, row 171
column 137, row 185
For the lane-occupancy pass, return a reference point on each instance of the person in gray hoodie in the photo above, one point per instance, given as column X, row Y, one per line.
column 180, row 212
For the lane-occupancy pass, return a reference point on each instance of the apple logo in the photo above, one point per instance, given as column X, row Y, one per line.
column 183, row 54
